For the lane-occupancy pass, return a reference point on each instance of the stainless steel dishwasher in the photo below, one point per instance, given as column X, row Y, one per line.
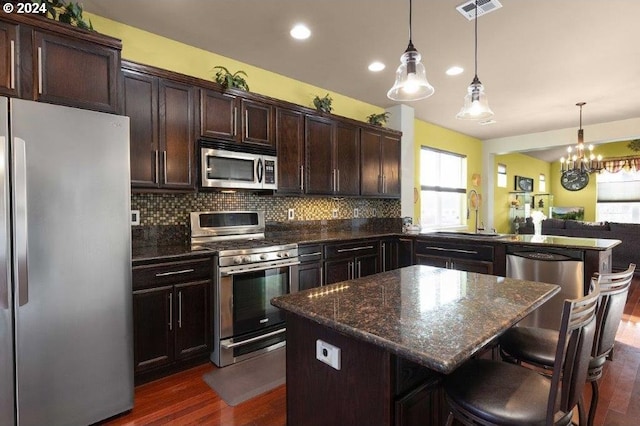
column 556, row 266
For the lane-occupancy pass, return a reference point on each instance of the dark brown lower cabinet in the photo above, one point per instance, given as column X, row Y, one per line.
column 462, row 256
column 171, row 316
column 424, row 405
column 396, row 253
column 310, row 272
column 350, row 260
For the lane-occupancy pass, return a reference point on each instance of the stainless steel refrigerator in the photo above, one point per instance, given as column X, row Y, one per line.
column 66, row 351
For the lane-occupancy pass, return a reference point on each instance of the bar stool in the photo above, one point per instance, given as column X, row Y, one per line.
column 535, row 346
column 486, row 392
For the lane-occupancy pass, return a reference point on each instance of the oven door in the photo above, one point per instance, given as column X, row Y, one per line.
column 229, row 169
column 249, row 324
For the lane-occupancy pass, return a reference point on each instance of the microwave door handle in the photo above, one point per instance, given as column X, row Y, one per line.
column 259, row 170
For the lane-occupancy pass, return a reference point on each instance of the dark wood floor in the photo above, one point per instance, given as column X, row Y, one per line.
column 185, row 399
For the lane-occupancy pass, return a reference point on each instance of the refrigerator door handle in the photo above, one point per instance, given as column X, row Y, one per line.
column 20, row 216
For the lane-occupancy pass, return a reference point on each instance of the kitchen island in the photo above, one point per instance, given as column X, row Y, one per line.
column 397, row 332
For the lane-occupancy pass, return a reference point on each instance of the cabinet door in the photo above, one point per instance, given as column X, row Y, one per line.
column 390, row 163
column 152, row 328
column 141, row 106
column 425, row 405
column 8, row 55
column 338, row 270
column 75, row 73
column 177, row 142
column 309, row 275
column 347, row 159
column 320, row 176
column 257, row 123
column 438, row 262
column 472, row 266
column 404, row 254
column 219, row 115
column 388, row 252
column 370, row 174
column 290, row 147
column 366, row 265
column 192, row 318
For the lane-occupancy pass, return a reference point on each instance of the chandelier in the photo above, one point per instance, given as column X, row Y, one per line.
column 581, row 158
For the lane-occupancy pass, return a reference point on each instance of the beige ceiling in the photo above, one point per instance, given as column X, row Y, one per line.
column 536, row 58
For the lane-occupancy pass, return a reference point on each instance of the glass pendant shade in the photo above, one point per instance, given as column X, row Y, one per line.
column 476, row 105
column 411, row 78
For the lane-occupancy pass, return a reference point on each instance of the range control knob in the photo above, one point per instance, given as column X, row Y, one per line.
column 246, row 259
column 263, row 256
column 285, row 254
column 237, row 260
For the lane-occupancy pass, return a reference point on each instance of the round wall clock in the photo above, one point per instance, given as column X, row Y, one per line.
column 574, row 180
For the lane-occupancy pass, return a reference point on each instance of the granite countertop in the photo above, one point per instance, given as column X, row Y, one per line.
column 435, row 317
column 527, row 239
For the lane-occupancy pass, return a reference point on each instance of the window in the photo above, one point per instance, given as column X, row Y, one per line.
column 502, row 176
column 443, row 181
column 542, row 183
column 618, row 197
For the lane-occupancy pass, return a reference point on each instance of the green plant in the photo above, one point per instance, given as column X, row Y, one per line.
column 378, row 119
column 227, row 80
column 323, row 104
column 69, row 13
column 634, row 145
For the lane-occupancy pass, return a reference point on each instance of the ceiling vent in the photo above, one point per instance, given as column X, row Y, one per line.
column 484, row 6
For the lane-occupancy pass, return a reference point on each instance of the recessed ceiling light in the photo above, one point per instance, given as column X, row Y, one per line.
column 300, row 32
column 376, row 66
column 455, row 70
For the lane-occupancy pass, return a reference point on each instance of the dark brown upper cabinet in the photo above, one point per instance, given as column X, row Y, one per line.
column 162, row 115
column 331, row 151
column 380, row 164
column 46, row 61
column 225, row 115
column 290, row 149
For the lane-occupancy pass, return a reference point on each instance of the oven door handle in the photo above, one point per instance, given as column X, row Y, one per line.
column 257, row 268
column 251, row 340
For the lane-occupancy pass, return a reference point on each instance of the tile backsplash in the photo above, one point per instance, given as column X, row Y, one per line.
column 174, row 209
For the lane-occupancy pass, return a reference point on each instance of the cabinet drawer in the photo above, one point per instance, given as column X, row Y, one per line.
column 171, row 273
column 351, row 249
column 310, row 253
column 454, row 250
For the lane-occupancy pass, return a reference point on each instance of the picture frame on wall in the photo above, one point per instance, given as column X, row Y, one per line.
column 523, row 184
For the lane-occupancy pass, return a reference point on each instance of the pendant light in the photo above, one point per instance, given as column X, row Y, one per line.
column 476, row 105
column 581, row 158
column 411, row 78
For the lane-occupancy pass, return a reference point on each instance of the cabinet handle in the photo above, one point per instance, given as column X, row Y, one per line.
column 246, row 123
column 384, row 184
column 182, row 271
column 333, row 180
column 235, row 121
column 170, row 311
column 310, row 254
column 384, row 257
column 354, row 249
column 338, row 179
column 452, row 250
column 164, row 168
column 157, row 166
column 452, row 265
column 301, row 178
column 359, row 269
column 351, row 271
column 180, row 309
column 40, row 70
column 321, row 276
column 13, row 64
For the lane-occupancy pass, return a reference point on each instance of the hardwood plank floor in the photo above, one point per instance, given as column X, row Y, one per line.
column 185, row 399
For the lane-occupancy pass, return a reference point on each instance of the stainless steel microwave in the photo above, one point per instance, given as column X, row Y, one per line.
column 237, row 170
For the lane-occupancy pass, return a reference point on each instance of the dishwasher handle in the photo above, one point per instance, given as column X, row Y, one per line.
column 542, row 256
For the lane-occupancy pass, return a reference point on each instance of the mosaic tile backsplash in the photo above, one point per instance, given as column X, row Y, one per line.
column 174, row 209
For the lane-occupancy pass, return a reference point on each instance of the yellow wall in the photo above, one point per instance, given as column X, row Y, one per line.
column 586, row 197
column 151, row 49
column 517, row 165
column 427, row 134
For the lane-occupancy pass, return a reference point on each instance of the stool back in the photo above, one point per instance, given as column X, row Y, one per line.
column 573, row 353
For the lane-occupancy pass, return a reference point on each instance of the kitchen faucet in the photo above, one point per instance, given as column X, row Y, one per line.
column 477, row 204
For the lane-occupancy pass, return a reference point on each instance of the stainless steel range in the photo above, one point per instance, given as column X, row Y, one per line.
column 250, row 271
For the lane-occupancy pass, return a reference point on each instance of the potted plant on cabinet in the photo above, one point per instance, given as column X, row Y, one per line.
column 68, row 13
column 323, row 104
column 226, row 79
column 378, row 119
